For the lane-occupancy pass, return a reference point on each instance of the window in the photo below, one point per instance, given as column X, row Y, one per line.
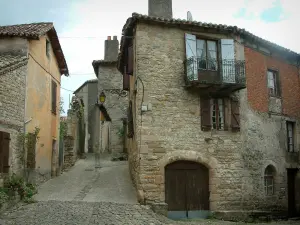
column 217, row 114
column 269, row 180
column 54, row 96
column 47, row 48
column 207, row 54
column 273, row 83
column 290, row 126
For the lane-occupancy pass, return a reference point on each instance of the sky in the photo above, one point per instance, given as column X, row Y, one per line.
column 83, row 25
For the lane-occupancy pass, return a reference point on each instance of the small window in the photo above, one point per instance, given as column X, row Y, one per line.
column 217, row 114
column 269, row 180
column 54, row 97
column 207, row 54
column 273, row 83
column 290, row 127
column 48, row 48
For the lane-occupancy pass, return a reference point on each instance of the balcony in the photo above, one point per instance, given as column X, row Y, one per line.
column 215, row 77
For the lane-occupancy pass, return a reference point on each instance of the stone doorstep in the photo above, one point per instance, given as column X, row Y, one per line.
column 242, row 215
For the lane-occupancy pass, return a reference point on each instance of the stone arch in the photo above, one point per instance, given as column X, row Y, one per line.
column 269, row 174
column 210, row 162
column 266, row 164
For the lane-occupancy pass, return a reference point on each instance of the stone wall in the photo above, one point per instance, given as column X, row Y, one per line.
column 71, row 141
column 12, row 105
column 171, row 131
column 110, row 81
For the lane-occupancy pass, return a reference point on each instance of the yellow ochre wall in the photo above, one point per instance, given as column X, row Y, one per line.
column 38, row 104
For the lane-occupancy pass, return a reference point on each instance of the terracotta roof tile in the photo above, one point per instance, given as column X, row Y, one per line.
column 35, row 31
column 11, row 62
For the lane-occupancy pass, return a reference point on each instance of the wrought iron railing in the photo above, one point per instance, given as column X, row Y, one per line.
column 227, row 71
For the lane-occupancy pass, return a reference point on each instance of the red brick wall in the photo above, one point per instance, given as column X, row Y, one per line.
column 257, row 65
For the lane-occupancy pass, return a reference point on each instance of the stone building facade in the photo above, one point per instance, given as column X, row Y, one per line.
column 39, row 44
column 13, row 71
column 110, row 83
column 245, row 144
column 88, row 92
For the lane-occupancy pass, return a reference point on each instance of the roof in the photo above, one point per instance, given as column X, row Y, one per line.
column 35, row 31
column 97, row 63
column 11, row 62
column 85, row 83
column 131, row 22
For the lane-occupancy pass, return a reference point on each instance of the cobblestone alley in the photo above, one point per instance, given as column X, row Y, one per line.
column 88, row 196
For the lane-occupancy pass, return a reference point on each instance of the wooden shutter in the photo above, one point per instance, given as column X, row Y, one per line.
column 205, row 114
column 278, row 86
column 54, row 96
column 130, row 121
column 126, row 82
column 191, row 57
column 228, row 60
column 235, row 115
column 4, row 152
column 130, row 60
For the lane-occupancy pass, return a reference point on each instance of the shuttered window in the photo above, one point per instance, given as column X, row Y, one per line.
column 130, row 121
column 214, row 114
column 273, row 83
column 290, row 126
column 4, row 152
column 130, row 60
column 126, row 82
column 235, row 115
column 54, row 97
column 205, row 114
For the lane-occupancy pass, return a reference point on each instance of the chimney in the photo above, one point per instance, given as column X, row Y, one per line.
column 160, row 8
column 111, row 49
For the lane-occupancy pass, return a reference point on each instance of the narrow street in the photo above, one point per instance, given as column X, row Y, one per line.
column 88, row 196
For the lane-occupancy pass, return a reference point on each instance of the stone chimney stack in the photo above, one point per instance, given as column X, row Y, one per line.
column 111, row 49
column 160, row 8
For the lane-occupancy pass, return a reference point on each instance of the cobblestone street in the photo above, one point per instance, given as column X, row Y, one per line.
column 88, row 196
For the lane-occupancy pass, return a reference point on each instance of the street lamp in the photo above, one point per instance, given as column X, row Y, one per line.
column 102, row 97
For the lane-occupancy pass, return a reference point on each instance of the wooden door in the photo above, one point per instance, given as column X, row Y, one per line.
column 291, row 173
column 186, row 188
column 4, row 152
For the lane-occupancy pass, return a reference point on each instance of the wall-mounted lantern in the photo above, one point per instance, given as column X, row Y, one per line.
column 102, row 97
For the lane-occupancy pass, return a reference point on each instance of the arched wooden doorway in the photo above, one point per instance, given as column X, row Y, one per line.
column 187, row 189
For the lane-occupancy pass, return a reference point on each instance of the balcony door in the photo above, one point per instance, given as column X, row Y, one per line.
column 228, row 65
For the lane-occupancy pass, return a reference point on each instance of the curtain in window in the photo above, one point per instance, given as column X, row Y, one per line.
column 201, row 54
column 211, row 55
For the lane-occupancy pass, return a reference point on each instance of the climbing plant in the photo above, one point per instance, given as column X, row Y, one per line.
column 28, row 149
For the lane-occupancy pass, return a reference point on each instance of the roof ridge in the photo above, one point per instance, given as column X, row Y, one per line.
column 236, row 29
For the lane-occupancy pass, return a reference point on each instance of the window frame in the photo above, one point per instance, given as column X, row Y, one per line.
column 53, row 100
column 276, row 81
column 293, row 124
column 215, row 125
column 206, row 39
column 48, row 48
column 269, row 181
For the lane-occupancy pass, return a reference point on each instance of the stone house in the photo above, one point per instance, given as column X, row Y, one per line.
column 88, row 92
column 213, row 123
column 113, row 111
column 32, row 63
